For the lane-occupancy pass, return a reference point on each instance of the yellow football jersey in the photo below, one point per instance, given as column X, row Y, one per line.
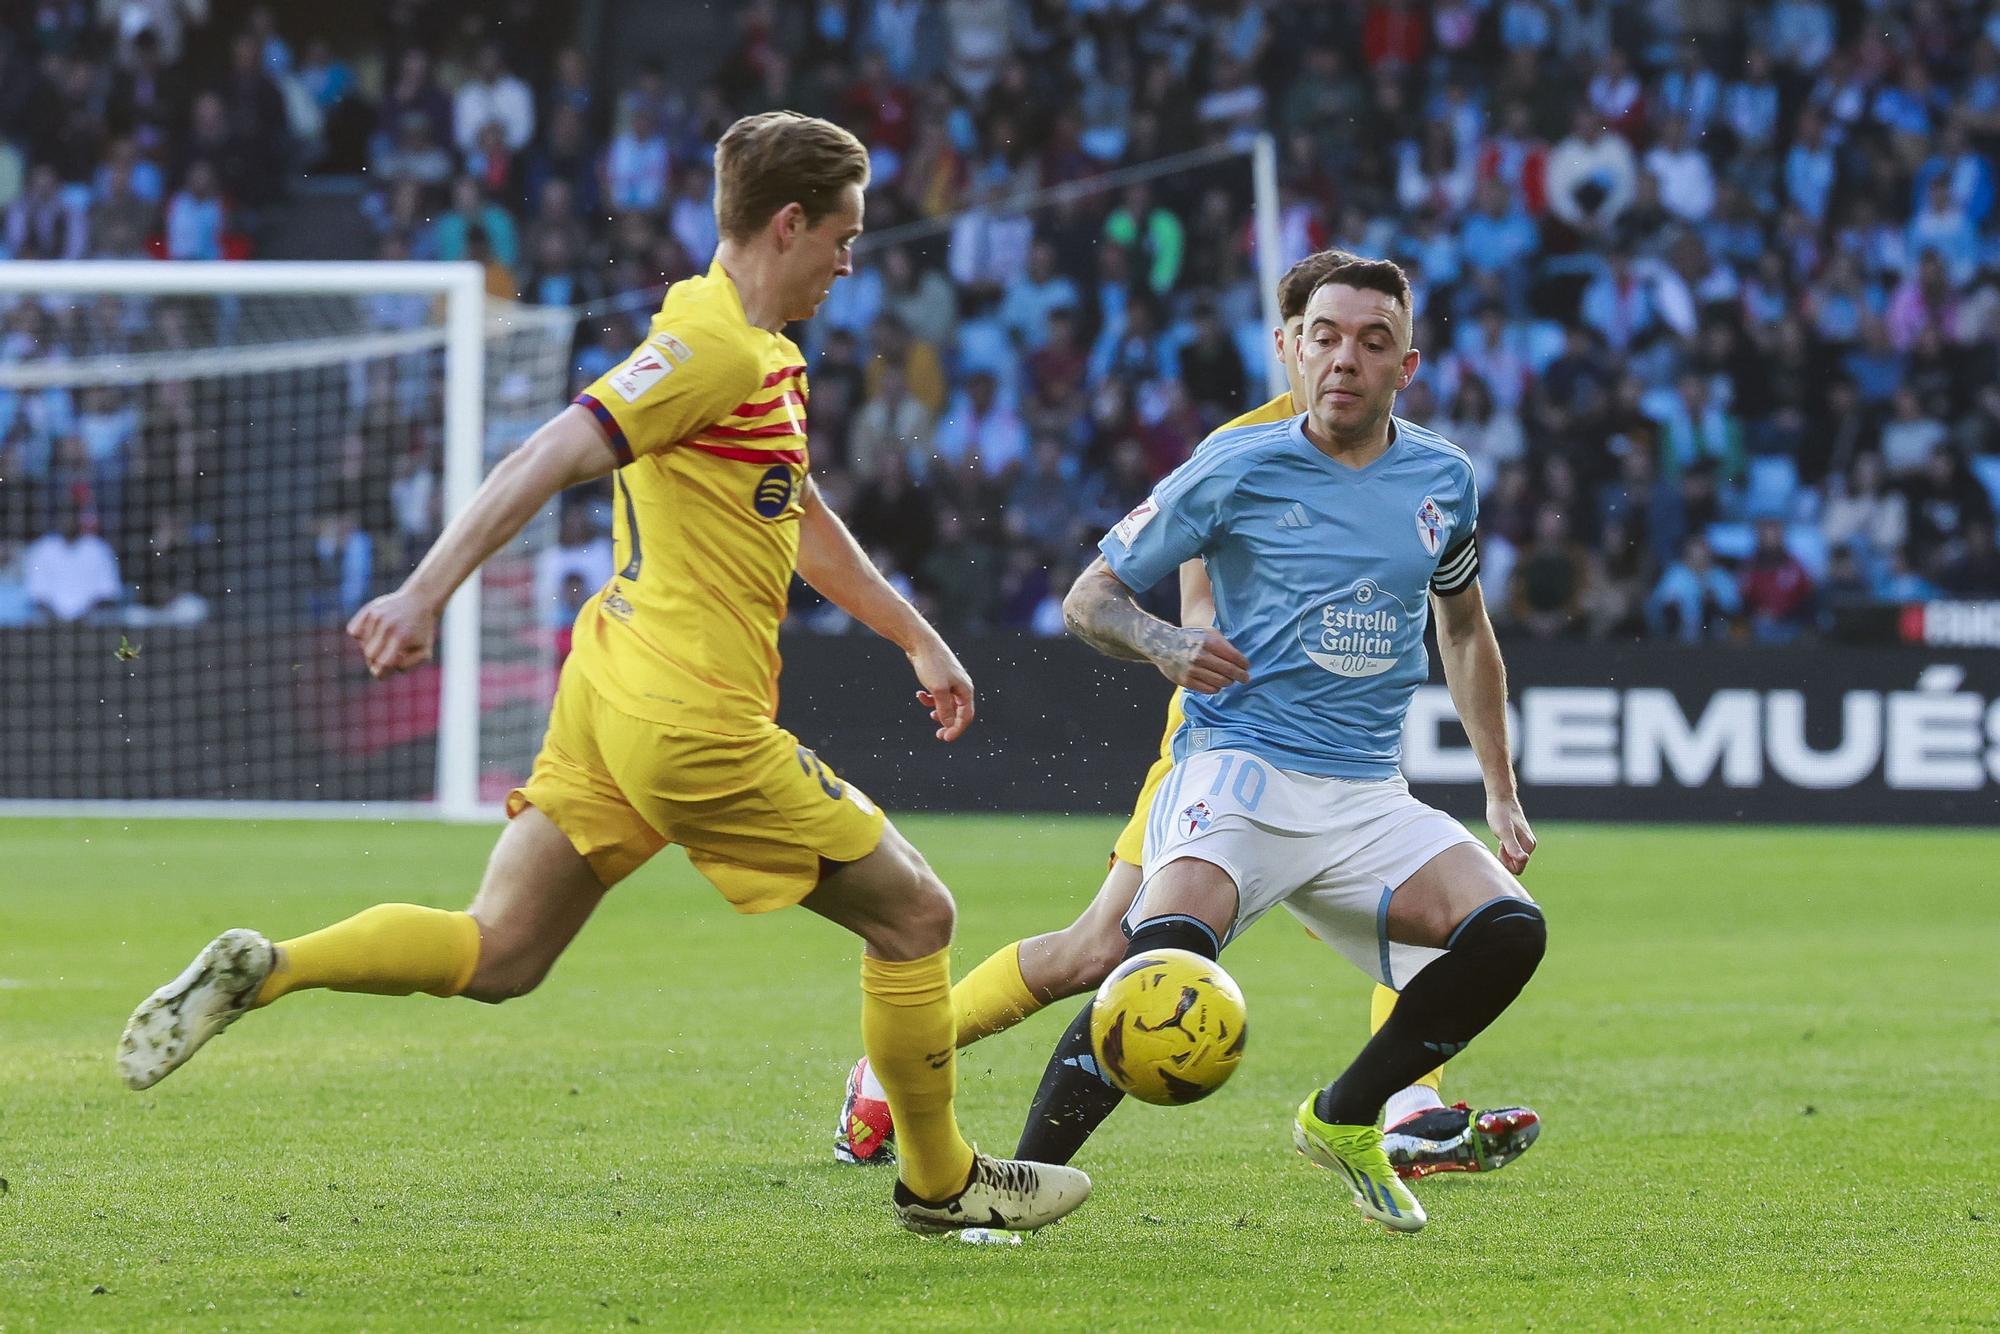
column 1277, row 410
column 707, row 417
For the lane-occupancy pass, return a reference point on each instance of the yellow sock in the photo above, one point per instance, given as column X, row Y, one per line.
column 906, row 1029
column 993, row 997
column 1379, row 1005
column 392, row 949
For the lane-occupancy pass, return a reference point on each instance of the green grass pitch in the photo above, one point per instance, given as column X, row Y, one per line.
column 1766, row 1060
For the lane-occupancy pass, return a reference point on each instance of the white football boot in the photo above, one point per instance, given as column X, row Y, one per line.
column 1003, row 1193
column 214, row 992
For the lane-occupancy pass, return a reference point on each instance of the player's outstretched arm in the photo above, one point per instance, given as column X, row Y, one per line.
column 397, row 630
column 1477, row 678
column 834, row 564
column 1099, row 610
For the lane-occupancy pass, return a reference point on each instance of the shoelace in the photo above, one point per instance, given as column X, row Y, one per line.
column 1009, row 1176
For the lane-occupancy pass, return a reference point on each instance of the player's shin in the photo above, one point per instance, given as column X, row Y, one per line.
column 906, row 1029
column 1489, row 958
column 1422, row 1095
column 391, row 949
column 1074, row 1096
column 993, row 997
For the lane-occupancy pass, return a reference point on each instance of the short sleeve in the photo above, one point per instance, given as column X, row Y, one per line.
column 669, row 388
column 1458, row 564
column 1173, row 525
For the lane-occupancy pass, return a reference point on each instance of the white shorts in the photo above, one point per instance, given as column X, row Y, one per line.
column 1332, row 850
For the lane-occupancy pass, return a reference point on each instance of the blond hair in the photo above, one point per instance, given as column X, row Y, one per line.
column 766, row 161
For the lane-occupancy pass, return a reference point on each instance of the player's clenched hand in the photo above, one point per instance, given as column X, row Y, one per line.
column 395, row 631
column 1200, row 659
column 1510, row 826
column 947, row 690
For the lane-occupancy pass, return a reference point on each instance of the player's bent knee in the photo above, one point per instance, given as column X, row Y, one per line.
column 507, row 969
column 1511, row 932
column 930, row 916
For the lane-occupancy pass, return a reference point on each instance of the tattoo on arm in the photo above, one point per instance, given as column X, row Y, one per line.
column 1100, row 611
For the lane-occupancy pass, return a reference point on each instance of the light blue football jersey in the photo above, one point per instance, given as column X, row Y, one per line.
column 1320, row 573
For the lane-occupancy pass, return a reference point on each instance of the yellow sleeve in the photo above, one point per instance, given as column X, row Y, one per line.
column 672, row 386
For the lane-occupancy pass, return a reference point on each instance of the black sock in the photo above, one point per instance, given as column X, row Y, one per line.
column 1074, row 1097
column 1489, row 958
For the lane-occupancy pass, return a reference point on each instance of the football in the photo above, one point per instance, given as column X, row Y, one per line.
column 1168, row 1027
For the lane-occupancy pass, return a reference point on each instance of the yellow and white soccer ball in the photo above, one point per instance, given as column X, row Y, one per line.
column 1168, row 1027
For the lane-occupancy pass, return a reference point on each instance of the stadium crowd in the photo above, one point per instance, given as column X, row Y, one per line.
column 1710, row 292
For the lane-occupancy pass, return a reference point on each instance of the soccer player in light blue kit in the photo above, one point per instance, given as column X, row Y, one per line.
column 1326, row 538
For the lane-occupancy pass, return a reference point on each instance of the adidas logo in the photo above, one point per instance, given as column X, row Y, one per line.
column 1295, row 517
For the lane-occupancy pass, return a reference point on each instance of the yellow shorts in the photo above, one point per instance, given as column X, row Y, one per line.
column 1131, row 844
column 756, row 813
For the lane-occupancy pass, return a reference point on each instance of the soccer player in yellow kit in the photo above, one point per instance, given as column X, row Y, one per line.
column 663, row 727
column 1423, row 1135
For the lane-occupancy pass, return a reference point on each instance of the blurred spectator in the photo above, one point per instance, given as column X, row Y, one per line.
column 44, row 222
column 258, row 128
column 1500, row 238
column 692, row 220
column 1686, row 180
column 566, row 157
column 472, row 210
column 196, row 216
column 1778, row 594
column 1909, row 437
column 1152, row 233
column 961, row 573
column 979, row 432
column 122, row 221
column 1492, row 435
column 148, row 95
column 636, row 166
column 1975, row 572
column 1592, row 175
column 1864, row 513
column 1946, row 498
column 890, row 420
column 494, row 165
column 1811, row 167
column 1942, row 227
column 70, row 571
column 1695, row 429
column 1041, row 508
column 1552, row 579
column 1619, row 303
column 1924, row 301
column 1846, row 586
column 1695, row 599
column 1031, row 298
column 1211, row 366
column 415, row 504
column 922, row 299
column 895, row 512
column 342, row 559
column 923, row 371
column 581, row 552
column 414, row 154
column 493, row 95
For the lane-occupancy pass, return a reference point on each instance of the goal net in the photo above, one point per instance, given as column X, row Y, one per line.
column 205, row 469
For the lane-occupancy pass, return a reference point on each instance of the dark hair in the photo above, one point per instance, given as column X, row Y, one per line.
column 1370, row 275
column 1296, row 287
column 775, row 158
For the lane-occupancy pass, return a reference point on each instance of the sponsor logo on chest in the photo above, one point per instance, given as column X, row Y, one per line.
column 1357, row 631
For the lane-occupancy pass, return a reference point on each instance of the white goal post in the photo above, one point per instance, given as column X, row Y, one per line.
column 256, row 446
